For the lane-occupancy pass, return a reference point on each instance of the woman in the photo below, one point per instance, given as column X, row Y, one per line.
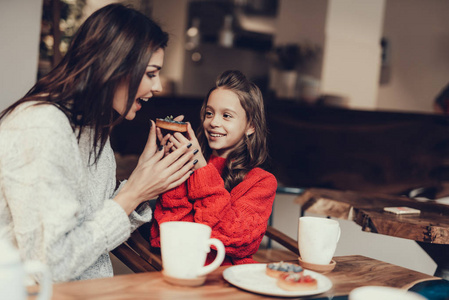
column 58, row 198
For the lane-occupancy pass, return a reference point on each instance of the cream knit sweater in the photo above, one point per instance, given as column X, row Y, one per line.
column 55, row 206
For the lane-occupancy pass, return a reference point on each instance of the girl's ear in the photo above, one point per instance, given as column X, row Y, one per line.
column 250, row 130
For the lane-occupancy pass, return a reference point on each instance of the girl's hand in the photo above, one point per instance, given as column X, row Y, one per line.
column 177, row 140
column 163, row 140
column 155, row 173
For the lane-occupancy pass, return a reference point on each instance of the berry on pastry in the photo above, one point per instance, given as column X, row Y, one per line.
column 276, row 269
column 297, row 282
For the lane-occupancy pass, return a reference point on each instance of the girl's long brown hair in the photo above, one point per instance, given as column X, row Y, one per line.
column 252, row 151
column 113, row 46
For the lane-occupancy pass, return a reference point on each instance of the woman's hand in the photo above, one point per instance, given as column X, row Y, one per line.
column 178, row 140
column 155, row 173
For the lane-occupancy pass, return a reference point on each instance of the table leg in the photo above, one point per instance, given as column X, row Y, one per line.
column 439, row 253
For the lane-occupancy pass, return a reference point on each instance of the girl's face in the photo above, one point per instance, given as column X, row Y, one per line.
column 149, row 85
column 225, row 123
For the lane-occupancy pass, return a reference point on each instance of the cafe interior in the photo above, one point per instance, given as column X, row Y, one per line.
column 349, row 88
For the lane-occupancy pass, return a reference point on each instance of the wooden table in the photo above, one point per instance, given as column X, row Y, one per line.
column 430, row 229
column 350, row 272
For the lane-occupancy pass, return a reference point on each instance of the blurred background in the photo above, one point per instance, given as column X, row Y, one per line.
column 376, row 55
column 349, row 87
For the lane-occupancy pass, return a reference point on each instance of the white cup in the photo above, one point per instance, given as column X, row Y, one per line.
column 382, row 292
column 14, row 274
column 317, row 239
column 184, row 248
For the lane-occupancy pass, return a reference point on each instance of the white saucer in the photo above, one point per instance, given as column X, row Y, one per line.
column 184, row 281
column 317, row 268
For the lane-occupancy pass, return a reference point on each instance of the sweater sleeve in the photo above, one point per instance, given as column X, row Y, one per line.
column 141, row 215
column 239, row 219
column 172, row 205
column 41, row 174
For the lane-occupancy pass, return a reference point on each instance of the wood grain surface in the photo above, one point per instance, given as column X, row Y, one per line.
column 350, row 272
column 366, row 209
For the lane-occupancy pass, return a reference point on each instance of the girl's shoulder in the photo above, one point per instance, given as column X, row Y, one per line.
column 261, row 173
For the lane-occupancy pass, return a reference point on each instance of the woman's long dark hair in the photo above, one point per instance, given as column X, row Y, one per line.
column 112, row 47
column 252, row 151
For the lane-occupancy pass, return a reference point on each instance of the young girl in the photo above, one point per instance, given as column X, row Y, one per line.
column 228, row 190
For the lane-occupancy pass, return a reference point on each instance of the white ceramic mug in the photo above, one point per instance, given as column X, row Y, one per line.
column 317, row 239
column 14, row 273
column 382, row 292
column 184, row 248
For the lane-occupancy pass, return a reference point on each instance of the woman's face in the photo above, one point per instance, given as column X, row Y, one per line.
column 149, row 85
column 225, row 124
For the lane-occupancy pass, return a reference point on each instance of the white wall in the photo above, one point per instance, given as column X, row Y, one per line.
column 20, row 25
column 93, row 5
column 352, row 52
column 418, row 61
column 172, row 17
column 303, row 22
column 418, row 32
column 349, row 32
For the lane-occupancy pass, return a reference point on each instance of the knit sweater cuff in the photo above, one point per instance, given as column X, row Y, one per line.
column 201, row 181
column 140, row 216
column 115, row 223
column 173, row 198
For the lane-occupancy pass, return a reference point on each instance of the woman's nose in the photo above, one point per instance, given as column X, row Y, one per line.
column 157, row 86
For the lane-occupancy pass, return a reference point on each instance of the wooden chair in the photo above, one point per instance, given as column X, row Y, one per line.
column 135, row 253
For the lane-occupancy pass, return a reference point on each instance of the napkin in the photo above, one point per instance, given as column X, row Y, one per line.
column 432, row 289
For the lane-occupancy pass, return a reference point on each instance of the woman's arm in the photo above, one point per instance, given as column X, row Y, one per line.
column 42, row 179
column 141, row 215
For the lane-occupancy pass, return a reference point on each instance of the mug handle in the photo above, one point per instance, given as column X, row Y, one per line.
column 45, row 285
column 339, row 233
column 218, row 260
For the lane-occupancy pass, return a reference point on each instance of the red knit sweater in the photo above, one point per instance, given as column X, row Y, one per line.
column 239, row 218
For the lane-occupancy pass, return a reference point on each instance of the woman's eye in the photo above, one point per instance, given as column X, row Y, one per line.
column 151, row 75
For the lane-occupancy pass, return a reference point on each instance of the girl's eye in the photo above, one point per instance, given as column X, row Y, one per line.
column 227, row 116
column 151, row 75
column 208, row 113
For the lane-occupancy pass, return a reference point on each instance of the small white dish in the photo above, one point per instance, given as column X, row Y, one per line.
column 317, row 268
column 252, row 278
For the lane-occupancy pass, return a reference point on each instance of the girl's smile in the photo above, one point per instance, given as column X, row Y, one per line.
column 215, row 136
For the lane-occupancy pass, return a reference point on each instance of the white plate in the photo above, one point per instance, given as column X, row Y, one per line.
column 252, row 277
